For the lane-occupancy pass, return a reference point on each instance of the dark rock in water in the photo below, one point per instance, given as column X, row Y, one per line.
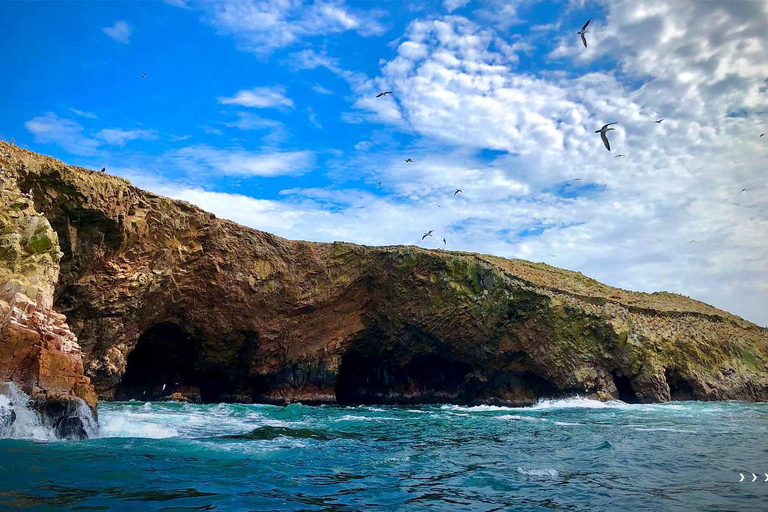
column 159, row 292
column 69, row 418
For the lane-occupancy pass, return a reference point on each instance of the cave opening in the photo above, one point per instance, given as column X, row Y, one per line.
column 624, row 387
column 385, row 379
column 166, row 361
column 679, row 388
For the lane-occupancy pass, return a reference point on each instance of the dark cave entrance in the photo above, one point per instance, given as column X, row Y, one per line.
column 380, row 379
column 679, row 388
column 165, row 361
column 624, row 386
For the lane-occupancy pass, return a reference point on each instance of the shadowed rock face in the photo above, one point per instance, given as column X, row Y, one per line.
column 162, row 294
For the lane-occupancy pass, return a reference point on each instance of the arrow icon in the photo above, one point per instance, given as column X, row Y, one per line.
column 742, row 477
column 754, row 477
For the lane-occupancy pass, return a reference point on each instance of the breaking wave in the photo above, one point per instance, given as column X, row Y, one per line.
column 20, row 421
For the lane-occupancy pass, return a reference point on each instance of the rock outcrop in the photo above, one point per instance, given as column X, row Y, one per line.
column 167, row 300
column 38, row 351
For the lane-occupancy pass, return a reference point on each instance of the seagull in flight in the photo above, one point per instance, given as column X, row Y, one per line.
column 618, row 156
column 143, row 76
column 584, row 31
column 576, row 179
column 743, row 190
column 408, row 161
column 659, row 121
column 458, row 191
column 384, row 93
column 692, row 242
column 428, row 233
column 602, row 131
column 762, row 134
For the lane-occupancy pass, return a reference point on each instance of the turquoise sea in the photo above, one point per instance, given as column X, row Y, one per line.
column 572, row 454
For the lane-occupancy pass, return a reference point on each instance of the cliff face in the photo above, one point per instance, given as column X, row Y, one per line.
column 165, row 298
column 38, row 351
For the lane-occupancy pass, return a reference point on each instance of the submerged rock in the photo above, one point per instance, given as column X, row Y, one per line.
column 160, row 293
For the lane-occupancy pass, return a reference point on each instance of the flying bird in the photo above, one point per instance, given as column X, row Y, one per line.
column 163, row 387
column 379, row 184
column 383, row 94
column 104, row 169
column 762, row 134
column 143, row 76
column 408, row 161
column 576, row 179
column 458, row 191
column 743, row 190
column 428, row 233
column 438, row 205
column 692, row 242
column 584, row 31
column 602, row 131
column 617, row 156
column 659, row 121
column 444, row 242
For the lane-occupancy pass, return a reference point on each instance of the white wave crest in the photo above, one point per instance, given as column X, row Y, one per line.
column 539, row 472
column 134, row 425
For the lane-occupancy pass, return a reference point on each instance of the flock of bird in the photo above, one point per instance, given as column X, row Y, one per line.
column 602, row 131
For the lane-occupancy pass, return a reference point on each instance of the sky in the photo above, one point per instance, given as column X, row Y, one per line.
column 266, row 113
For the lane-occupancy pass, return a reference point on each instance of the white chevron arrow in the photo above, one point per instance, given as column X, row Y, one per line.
column 742, row 477
column 754, row 477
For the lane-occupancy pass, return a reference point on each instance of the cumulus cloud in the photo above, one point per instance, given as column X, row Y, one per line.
column 120, row 32
column 204, row 159
column 261, row 27
column 259, row 97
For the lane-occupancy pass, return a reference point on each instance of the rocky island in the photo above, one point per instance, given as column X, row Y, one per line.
column 113, row 292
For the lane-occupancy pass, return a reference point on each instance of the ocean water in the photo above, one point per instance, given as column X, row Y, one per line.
column 572, row 454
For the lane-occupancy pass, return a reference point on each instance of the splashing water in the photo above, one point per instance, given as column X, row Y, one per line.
column 20, row 421
column 572, row 454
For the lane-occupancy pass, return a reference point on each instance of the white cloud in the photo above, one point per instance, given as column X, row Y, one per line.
column 276, row 131
column 262, row 27
column 71, row 136
column 313, row 118
column 66, row 133
column 120, row 32
column 319, row 89
column 204, row 159
column 452, row 5
column 82, row 113
column 118, row 136
column 259, row 97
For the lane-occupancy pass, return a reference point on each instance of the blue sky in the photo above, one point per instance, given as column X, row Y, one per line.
column 265, row 113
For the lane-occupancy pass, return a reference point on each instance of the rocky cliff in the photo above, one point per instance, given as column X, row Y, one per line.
column 165, row 298
column 38, row 351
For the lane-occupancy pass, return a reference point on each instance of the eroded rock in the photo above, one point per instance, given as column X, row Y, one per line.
column 166, row 299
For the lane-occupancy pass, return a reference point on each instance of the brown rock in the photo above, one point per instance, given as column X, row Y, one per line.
column 159, row 292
